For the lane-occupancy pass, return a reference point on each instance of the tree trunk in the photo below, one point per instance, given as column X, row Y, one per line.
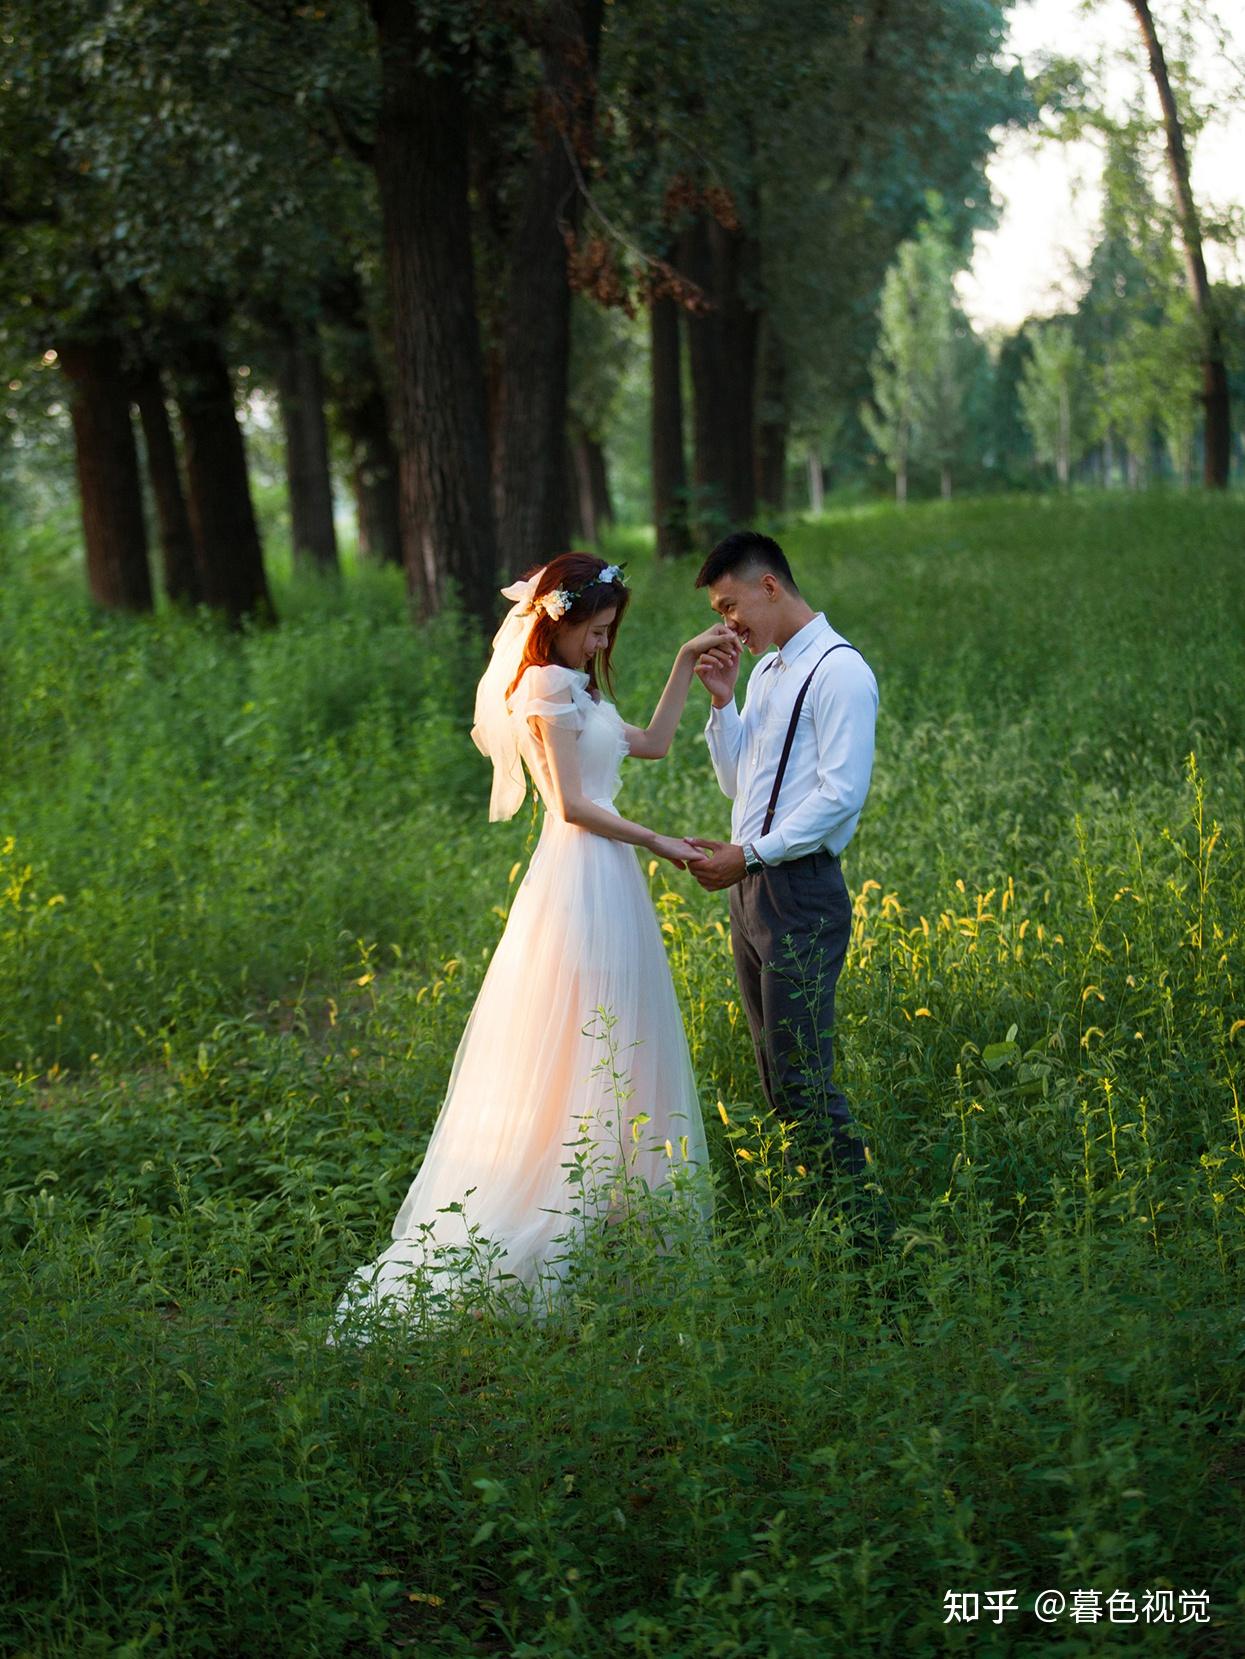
column 816, row 482
column 946, row 483
column 772, row 425
column 1218, row 427
column 581, row 524
column 532, row 519
column 722, row 346
column 300, row 387
column 363, row 543
column 710, row 443
column 667, row 462
column 360, row 406
column 443, row 464
column 183, row 582
column 734, row 257
column 592, row 509
column 109, row 492
column 1064, row 446
column 375, row 477
column 599, row 482
column 218, row 492
column 593, row 485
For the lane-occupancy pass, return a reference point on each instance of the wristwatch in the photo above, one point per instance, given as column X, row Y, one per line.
column 752, row 861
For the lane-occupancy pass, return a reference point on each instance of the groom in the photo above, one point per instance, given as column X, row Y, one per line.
column 796, row 763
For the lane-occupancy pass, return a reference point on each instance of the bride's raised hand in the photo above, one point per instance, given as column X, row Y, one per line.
column 681, row 853
column 717, row 638
column 717, row 665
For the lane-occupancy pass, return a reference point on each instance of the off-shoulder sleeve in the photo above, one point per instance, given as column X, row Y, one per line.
column 555, row 694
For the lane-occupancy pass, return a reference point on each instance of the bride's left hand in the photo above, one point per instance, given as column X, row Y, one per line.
column 717, row 638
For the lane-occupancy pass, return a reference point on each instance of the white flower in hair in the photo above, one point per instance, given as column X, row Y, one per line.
column 555, row 604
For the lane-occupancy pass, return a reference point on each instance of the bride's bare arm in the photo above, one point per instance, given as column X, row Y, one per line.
column 652, row 742
column 562, row 755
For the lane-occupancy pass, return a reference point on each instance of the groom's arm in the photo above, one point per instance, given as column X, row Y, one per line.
column 724, row 733
column 844, row 720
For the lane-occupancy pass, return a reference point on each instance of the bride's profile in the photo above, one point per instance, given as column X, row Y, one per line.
column 534, row 1132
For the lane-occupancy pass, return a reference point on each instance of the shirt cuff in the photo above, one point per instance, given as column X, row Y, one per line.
column 771, row 848
column 724, row 718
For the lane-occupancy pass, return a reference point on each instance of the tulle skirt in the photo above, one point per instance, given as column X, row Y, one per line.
column 570, row 1096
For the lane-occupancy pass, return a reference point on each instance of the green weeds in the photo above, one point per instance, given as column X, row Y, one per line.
column 247, row 896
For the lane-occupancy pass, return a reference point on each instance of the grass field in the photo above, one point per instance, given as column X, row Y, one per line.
column 247, row 894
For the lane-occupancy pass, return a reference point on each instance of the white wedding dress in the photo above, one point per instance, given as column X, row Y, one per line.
column 533, row 1136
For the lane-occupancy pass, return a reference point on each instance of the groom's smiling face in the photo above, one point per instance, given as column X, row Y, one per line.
column 747, row 605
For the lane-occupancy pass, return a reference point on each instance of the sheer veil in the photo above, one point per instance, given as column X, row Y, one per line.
column 494, row 731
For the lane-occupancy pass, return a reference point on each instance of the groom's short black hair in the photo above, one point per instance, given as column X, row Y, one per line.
column 748, row 551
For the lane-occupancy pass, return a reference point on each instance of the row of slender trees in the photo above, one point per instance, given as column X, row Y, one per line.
column 385, row 209
column 1141, row 364
column 1115, row 388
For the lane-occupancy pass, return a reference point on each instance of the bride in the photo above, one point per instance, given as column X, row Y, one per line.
column 573, row 1073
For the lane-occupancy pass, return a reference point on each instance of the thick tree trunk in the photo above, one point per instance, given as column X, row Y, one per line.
column 945, row 483
column 300, row 387
column 1218, row 441
column 734, row 258
column 443, row 463
column 218, row 493
column 109, row 492
column 668, row 464
column 532, row 519
column 722, row 347
column 183, row 582
column 710, row 442
column 771, row 458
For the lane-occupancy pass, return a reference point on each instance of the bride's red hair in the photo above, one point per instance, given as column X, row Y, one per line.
column 577, row 573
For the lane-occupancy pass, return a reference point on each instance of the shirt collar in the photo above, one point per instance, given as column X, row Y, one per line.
column 802, row 640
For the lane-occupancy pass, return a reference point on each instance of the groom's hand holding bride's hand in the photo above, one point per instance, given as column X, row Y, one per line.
column 722, row 868
column 717, row 662
column 681, row 853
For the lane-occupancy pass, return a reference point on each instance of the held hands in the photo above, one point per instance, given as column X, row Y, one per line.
column 723, row 867
column 717, row 666
column 681, row 853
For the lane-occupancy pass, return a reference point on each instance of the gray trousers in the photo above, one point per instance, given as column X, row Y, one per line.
column 790, row 927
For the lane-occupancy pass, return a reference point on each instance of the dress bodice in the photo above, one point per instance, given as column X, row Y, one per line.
column 561, row 697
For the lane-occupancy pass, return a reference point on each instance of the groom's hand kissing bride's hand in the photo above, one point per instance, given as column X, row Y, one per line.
column 717, row 665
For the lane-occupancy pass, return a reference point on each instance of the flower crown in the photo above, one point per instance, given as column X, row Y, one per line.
column 558, row 601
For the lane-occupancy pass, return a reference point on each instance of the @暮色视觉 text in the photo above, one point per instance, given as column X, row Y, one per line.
column 1081, row 1606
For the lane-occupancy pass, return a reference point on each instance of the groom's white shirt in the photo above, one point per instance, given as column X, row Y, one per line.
column 831, row 760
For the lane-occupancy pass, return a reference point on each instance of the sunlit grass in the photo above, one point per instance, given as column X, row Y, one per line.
column 247, row 895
